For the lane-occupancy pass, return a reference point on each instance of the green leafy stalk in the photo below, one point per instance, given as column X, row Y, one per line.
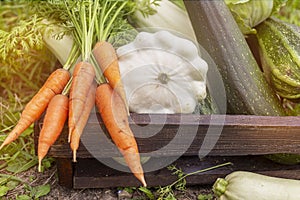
column 180, row 184
column 104, row 30
column 83, row 15
column 97, row 20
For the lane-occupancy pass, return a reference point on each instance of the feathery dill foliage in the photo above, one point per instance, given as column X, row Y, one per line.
column 25, row 62
column 147, row 7
column 167, row 191
column 21, row 28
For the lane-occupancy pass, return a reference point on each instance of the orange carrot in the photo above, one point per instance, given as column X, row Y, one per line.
column 54, row 121
column 38, row 104
column 107, row 59
column 83, row 77
column 113, row 113
column 77, row 131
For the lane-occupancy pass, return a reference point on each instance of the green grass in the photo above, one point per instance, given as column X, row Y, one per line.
column 17, row 86
column 17, row 158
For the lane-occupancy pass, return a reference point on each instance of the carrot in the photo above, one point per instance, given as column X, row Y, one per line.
column 77, row 131
column 54, row 121
column 113, row 113
column 38, row 104
column 106, row 57
column 83, row 77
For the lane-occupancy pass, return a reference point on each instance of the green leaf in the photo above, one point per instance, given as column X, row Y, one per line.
column 3, row 190
column 23, row 197
column 12, row 184
column 4, row 178
column 41, row 190
column 277, row 4
column 205, row 197
column 249, row 13
column 28, row 131
column 20, row 165
column 14, row 166
column 170, row 197
column 47, row 162
column 147, row 192
column 130, row 190
column 289, row 12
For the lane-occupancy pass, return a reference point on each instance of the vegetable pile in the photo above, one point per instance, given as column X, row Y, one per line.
column 89, row 75
column 83, row 36
column 277, row 43
column 283, row 74
column 100, row 43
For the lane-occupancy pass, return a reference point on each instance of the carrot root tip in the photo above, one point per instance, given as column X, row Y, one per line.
column 74, row 156
column 142, row 179
column 40, row 165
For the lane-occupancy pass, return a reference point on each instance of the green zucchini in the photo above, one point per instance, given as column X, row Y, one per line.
column 247, row 90
column 279, row 50
column 279, row 47
column 285, row 158
column 242, row 185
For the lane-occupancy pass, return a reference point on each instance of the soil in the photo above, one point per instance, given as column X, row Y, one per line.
column 58, row 192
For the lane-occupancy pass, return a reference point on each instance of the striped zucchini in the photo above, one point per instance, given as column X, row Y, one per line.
column 247, row 90
column 244, row 185
column 279, row 49
column 279, row 45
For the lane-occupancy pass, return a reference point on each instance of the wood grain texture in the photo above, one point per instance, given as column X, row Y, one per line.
column 240, row 135
column 97, row 175
column 243, row 137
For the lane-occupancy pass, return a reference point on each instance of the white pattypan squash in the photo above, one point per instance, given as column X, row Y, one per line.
column 162, row 73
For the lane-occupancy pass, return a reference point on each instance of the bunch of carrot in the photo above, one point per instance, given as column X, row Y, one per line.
column 72, row 97
column 52, row 98
column 48, row 97
column 99, row 58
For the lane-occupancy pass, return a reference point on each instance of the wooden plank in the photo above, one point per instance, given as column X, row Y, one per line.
column 90, row 173
column 65, row 172
column 240, row 135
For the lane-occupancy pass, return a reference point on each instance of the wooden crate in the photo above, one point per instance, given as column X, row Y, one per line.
column 244, row 140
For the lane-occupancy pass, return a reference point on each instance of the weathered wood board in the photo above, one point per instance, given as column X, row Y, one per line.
column 240, row 140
